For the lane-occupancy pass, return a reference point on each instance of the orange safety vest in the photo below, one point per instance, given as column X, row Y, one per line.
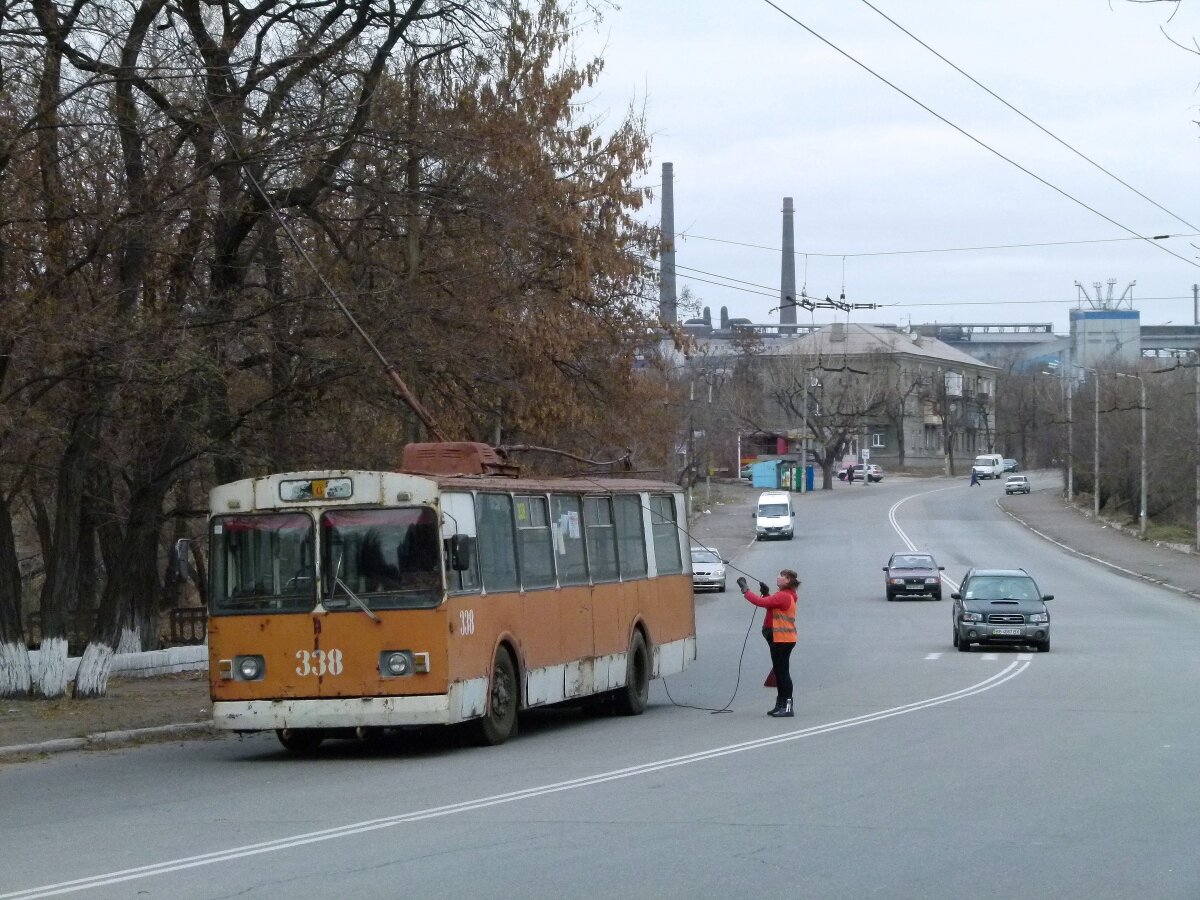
column 782, row 622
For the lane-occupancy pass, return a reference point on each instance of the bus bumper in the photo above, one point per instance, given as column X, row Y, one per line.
column 339, row 712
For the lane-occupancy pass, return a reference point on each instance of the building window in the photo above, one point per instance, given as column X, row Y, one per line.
column 876, row 441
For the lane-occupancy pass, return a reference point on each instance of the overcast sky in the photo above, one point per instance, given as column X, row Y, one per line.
column 751, row 108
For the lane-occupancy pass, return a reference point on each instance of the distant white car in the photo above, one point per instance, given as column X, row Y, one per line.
column 1016, row 484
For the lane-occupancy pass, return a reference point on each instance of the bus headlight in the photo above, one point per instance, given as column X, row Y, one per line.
column 395, row 662
column 249, row 668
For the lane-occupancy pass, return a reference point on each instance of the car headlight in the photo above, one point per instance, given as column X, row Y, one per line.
column 249, row 668
column 897, row 580
column 972, row 616
column 1042, row 618
column 931, row 580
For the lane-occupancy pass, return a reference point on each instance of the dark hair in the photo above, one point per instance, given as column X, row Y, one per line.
column 792, row 577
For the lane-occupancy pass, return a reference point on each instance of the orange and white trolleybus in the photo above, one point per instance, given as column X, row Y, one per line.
column 345, row 601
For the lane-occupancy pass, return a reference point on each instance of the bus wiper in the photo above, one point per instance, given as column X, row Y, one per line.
column 337, row 580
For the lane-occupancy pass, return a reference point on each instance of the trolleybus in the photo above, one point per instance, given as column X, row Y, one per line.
column 344, row 601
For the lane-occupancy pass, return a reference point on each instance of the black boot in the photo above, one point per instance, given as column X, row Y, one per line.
column 783, row 711
column 776, row 708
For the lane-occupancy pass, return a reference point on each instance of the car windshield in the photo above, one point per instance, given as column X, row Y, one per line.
column 1001, row 587
column 704, row 556
column 773, row 509
column 912, row 562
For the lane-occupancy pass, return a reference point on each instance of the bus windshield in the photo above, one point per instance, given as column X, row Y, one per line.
column 388, row 558
column 262, row 563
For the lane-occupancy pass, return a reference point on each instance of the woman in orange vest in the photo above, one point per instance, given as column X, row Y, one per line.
column 779, row 628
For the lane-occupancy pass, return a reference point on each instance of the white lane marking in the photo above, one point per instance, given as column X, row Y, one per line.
column 204, row 859
column 933, row 656
column 904, row 537
column 1024, row 657
column 991, row 657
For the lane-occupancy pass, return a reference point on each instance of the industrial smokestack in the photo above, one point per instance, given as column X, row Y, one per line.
column 787, row 274
column 667, row 307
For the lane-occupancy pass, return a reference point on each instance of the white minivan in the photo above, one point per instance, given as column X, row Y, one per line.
column 988, row 465
column 773, row 516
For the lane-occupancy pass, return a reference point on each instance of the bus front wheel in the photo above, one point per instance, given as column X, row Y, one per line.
column 499, row 723
column 300, row 740
column 631, row 699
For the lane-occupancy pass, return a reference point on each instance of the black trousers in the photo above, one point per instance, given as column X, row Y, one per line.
column 780, row 662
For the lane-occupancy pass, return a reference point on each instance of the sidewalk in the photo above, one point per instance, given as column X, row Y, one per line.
column 177, row 706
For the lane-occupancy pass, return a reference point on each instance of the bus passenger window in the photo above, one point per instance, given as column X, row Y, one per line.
column 497, row 548
column 533, row 530
column 631, row 539
column 568, row 539
column 663, row 523
column 601, row 538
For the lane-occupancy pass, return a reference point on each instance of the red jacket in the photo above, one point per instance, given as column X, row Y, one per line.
column 780, row 619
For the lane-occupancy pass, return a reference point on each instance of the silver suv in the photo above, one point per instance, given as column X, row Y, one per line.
column 1000, row 606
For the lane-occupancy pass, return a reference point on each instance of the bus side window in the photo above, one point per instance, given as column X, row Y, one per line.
column 601, row 538
column 568, row 539
column 664, row 525
column 533, row 530
column 497, row 542
column 631, row 537
column 458, row 529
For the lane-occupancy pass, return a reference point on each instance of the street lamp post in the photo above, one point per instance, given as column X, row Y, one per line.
column 1142, row 405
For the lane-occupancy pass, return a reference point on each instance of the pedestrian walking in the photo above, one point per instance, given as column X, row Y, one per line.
column 779, row 629
column 974, row 478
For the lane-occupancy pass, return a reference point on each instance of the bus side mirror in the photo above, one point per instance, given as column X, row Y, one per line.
column 460, row 552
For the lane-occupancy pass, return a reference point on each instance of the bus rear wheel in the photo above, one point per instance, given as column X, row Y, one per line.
column 631, row 700
column 499, row 723
column 300, row 740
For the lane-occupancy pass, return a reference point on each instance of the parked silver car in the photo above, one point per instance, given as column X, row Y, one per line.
column 708, row 570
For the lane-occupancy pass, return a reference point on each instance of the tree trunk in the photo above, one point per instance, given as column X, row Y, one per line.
column 16, row 679
column 62, row 560
column 129, row 598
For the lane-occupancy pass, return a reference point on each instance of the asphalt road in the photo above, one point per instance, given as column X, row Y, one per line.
column 910, row 770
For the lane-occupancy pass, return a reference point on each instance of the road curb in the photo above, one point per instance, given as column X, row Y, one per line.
column 107, row 739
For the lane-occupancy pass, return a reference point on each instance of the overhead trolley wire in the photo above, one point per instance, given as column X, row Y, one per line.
column 1031, row 121
column 976, row 140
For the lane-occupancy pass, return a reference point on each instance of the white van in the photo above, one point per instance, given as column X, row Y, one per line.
column 773, row 516
column 989, row 465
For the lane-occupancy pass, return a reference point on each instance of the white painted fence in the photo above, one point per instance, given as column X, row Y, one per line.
column 147, row 664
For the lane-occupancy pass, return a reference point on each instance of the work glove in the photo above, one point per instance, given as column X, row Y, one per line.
column 763, row 589
column 743, row 585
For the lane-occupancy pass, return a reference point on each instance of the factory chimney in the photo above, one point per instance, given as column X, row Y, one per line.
column 667, row 310
column 787, row 275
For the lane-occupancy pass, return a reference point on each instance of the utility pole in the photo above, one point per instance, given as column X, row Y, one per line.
column 1142, row 405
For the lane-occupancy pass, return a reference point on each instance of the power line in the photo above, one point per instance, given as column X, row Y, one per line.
column 1158, row 237
column 1036, row 125
column 976, row 140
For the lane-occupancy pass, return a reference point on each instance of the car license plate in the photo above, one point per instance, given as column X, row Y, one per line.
column 1006, row 631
